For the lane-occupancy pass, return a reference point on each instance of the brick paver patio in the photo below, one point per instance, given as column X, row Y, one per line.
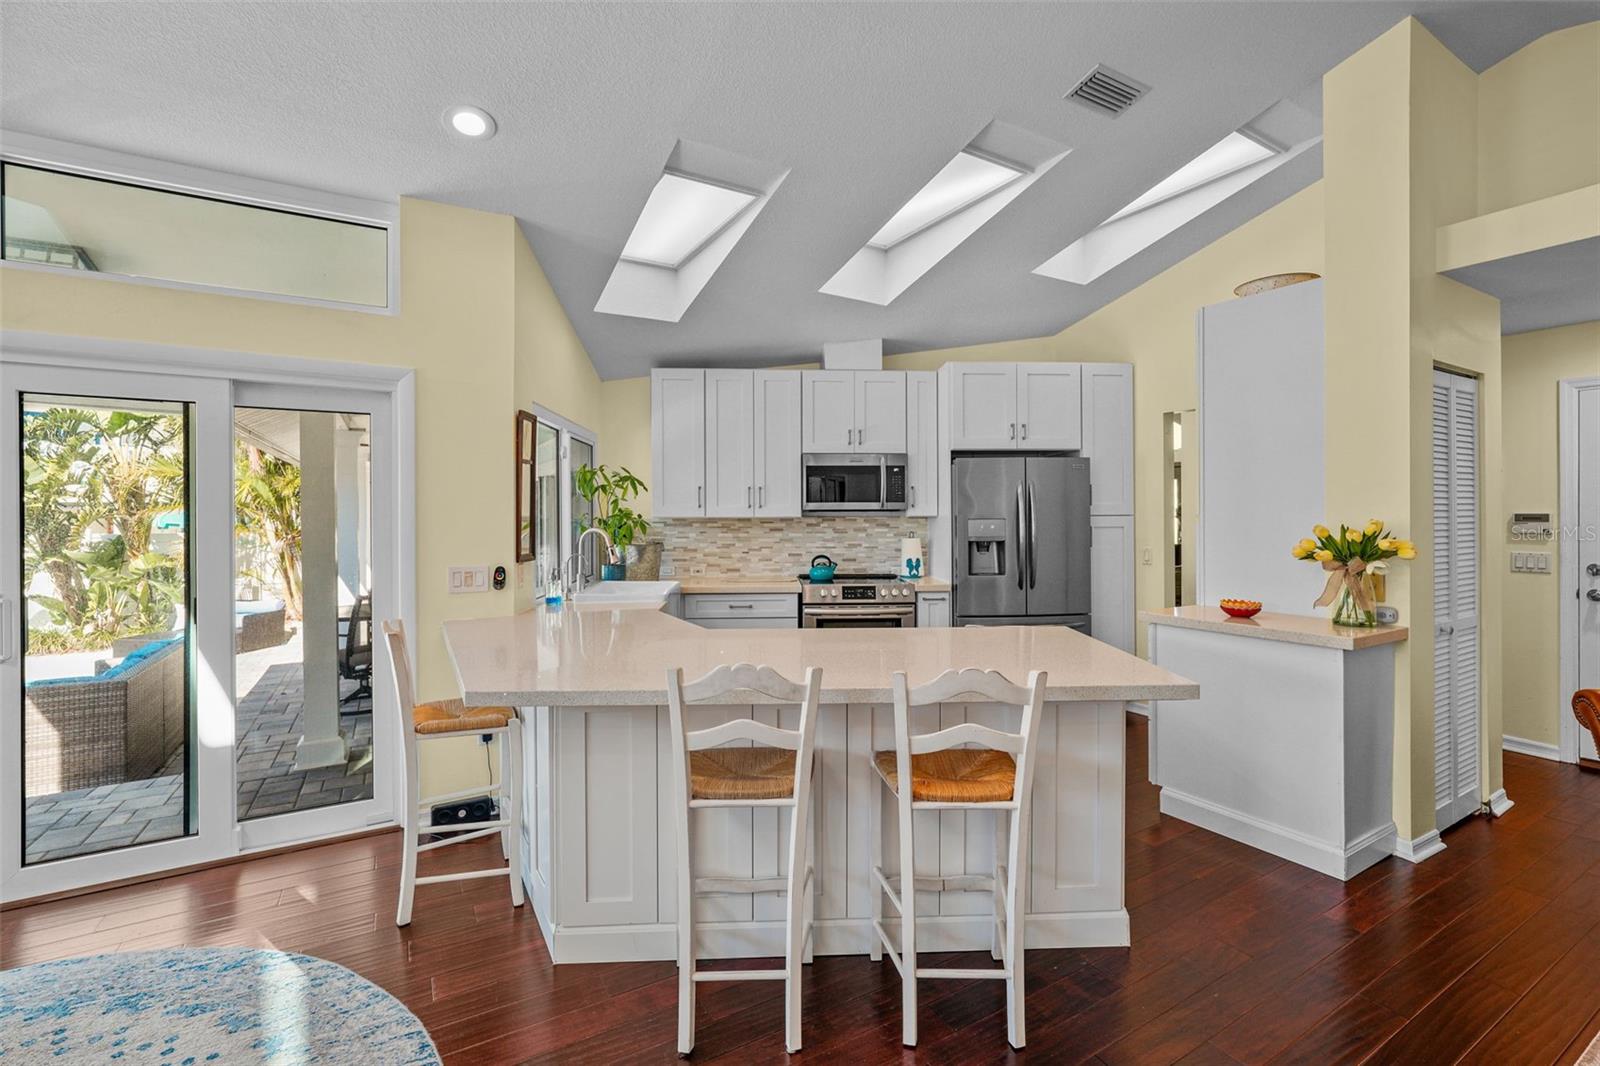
column 64, row 824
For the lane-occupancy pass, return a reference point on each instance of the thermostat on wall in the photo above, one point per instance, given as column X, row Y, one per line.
column 1530, row 525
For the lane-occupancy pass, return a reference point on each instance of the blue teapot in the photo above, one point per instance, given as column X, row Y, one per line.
column 822, row 569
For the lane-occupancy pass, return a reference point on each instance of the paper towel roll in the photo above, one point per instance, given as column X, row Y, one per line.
column 911, row 557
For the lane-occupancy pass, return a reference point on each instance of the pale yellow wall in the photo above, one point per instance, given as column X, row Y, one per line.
column 1539, row 120
column 625, row 429
column 1533, row 364
column 483, row 331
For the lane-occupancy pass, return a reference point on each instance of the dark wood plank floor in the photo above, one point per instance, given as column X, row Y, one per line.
column 1488, row 953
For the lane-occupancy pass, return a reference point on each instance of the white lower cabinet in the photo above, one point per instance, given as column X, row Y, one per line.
column 727, row 611
column 1111, row 580
column 933, row 609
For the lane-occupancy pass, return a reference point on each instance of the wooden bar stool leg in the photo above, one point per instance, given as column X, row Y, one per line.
column 511, row 800
column 1016, row 907
column 409, row 830
column 685, row 932
column 875, row 952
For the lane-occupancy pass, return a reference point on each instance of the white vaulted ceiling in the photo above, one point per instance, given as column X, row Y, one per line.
column 859, row 103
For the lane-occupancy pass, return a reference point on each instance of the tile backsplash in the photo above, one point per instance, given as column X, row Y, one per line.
column 764, row 547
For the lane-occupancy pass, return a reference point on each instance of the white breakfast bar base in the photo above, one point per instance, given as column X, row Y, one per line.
column 599, row 862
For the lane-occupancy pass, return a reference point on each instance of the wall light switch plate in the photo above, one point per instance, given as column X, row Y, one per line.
column 464, row 579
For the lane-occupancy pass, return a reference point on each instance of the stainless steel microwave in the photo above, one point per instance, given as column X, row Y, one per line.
column 848, row 483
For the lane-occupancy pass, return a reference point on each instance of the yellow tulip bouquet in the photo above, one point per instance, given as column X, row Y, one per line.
column 1351, row 557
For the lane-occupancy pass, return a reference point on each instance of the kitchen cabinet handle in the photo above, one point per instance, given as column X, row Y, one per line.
column 1594, row 594
column 741, row 606
column 913, row 495
column 699, row 495
column 749, row 496
column 1013, row 431
column 1024, row 431
column 761, row 496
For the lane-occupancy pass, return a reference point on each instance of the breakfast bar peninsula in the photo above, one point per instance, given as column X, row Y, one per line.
column 590, row 683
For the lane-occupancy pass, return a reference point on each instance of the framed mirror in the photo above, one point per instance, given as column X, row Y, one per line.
column 526, row 487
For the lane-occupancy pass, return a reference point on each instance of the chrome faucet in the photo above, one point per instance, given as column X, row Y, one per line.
column 574, row 561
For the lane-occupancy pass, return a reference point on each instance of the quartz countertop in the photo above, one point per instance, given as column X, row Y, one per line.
column 1310, row 630
column 600, row 655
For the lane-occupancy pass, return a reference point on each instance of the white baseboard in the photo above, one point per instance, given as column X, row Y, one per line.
column 1500, row 803
column 1341, row 859
column 1537, row 748
column 831, row 936
column 1419, row 849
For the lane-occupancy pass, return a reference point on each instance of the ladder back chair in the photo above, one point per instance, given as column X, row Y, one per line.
column 774, row 773
column 452, row 718
column 995, row 774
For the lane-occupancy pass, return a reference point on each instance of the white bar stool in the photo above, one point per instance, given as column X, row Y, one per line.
column 452, row 718
column 996, row 775
column 775, row 774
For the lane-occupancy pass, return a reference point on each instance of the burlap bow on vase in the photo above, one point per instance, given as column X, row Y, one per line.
column 1349, row 575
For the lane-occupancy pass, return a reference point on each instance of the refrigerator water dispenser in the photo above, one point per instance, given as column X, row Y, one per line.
column 986, row 545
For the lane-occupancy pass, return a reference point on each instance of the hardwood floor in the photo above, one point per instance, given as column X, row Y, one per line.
column 1488, row 953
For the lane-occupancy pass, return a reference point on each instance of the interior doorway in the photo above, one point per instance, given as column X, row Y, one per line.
column 1180, row 440
column 1578, row 545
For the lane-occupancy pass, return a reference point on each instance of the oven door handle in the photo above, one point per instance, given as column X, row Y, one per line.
column 859, row 612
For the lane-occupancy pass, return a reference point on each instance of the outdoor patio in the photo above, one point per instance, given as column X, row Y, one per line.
column 270, row 716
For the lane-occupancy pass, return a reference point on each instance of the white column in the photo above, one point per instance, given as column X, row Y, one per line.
column 347, row 479
column 320, row 742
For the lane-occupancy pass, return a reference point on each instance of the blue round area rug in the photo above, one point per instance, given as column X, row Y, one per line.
column 192, row 1006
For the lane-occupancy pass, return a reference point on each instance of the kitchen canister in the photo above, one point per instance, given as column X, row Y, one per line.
column 911, row 558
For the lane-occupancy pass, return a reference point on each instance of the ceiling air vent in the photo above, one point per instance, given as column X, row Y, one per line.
column 1107, row 92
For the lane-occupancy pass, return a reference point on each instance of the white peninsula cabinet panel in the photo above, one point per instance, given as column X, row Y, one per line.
column 983, row 406
column 777, row 437
column 1108, row 436
column 828, row 411
column 922, row 443
column 880, row 411
column 1111, row 602
column 730, row 429
column 1050, row 406
column 677, row 443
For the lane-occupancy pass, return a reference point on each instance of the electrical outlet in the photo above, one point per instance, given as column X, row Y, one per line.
column 697, row 571
column 465, row 579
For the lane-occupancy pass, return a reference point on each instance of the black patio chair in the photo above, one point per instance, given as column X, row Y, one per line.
column 355, row 654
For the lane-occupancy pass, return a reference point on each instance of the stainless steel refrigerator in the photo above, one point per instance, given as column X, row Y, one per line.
column 1021, row 540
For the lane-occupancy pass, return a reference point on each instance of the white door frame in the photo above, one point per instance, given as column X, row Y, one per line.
column 1567, row 423
column 213, row 375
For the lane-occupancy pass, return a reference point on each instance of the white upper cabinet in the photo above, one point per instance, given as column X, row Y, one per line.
column 922, row 443
column 828, row 411
column 677, row 443
column 880, row 404
column 730, row 428
column 983, row 406
column 1108, row 435
column 777, row 440
column 853, row 411
column 1050, row 406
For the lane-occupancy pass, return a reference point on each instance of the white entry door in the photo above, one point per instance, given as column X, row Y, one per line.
column 1456, row 658
column 1580, row 539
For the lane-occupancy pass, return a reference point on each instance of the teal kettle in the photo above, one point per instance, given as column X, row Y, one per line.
column 822, row 569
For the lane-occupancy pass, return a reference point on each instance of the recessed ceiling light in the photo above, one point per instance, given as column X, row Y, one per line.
column 1234, row 152
column 473, row 122
column 962, row 182
column 682, row 216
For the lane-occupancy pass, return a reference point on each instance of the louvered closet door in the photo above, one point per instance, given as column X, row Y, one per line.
column 1456, row 667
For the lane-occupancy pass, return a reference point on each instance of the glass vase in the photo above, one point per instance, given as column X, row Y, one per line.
column 1347, row 609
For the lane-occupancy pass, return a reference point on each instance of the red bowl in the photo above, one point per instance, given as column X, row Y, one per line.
column 1241, row 612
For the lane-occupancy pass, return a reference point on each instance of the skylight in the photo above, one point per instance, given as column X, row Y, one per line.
column 682, row 216
column 964, row 181
column 1234, row 152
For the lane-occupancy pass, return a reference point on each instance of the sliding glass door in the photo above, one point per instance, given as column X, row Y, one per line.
column 114, row 729
column 192, row 568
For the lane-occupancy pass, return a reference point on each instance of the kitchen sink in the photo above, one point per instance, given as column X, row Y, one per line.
column 627, row 592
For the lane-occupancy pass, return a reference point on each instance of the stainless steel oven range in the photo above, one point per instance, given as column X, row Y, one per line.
column 857, row 601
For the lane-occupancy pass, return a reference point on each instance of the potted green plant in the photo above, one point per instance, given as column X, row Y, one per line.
column 609, row 491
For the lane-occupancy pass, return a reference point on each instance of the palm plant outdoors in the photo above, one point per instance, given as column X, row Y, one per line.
column 267, row 505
